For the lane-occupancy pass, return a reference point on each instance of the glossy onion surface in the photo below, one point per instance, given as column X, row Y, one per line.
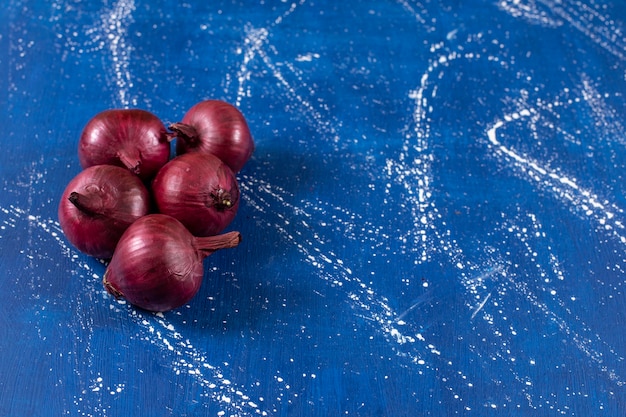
column 158, row 264
column 218, row 128
column 199, row 190
column 131, row 138
column 98, row 205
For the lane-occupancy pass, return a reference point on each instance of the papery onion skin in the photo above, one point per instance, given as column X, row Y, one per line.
column 218, row 128
column 199, row 190
column 132, row 138
column 98, row 205
column 158, row 264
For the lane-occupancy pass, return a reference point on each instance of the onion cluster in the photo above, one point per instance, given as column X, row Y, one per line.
column 154, row 216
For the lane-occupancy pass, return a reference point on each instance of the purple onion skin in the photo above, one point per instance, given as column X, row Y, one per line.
column 218, row 128
column 199, row 190
column 131, row 138
column 158, row 264
column 98, row 205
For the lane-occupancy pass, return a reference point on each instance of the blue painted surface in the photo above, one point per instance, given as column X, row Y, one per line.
column 433, row 219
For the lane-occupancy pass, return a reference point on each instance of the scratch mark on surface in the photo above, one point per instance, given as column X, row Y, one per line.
column 424, row 298
column 481, row 305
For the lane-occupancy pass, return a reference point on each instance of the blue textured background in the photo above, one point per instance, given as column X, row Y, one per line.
column 433, row 218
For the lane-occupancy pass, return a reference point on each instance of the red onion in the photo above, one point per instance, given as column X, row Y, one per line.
column 199, row 190
column 131, row 138
column 98, row 205
column 158, row 264
column 218, row 128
